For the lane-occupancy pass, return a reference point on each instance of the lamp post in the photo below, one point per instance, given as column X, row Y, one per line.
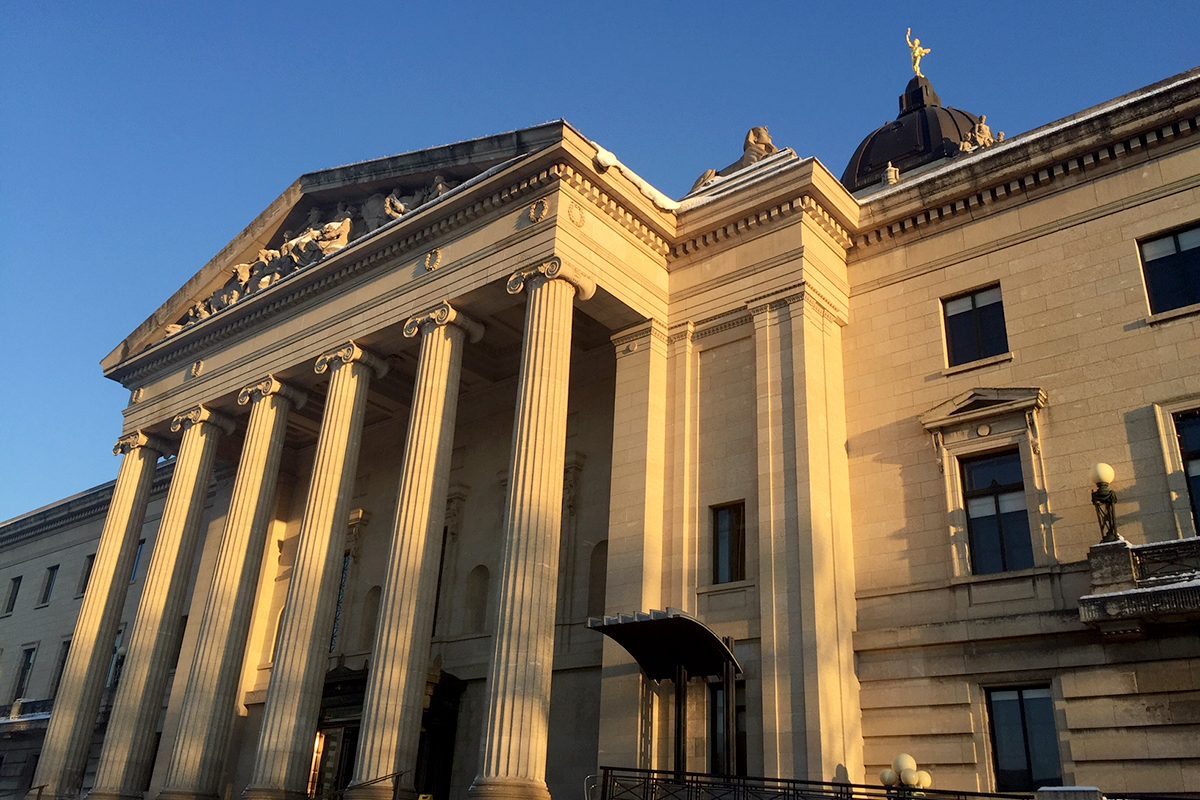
column 903, row 778
column 1105, row 501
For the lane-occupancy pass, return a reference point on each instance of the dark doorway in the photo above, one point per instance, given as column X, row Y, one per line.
column 435, row 753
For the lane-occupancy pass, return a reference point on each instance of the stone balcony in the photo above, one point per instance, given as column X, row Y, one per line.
column 1135, row 586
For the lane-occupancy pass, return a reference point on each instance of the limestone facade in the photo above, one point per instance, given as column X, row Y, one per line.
column 405, row 470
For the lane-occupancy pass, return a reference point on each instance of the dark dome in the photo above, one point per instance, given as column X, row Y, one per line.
column 925, row 132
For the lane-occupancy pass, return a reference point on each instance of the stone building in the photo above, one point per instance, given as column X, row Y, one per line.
column 428, row 414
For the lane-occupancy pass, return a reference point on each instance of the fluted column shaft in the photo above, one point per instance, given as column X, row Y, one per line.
column 128, row 750
column 285, row 742
column 69, row 734
column 210, row 697
column 391, row 723
column 513, row 762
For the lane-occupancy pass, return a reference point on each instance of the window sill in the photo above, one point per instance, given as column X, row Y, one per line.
column 981, row 363
column 1040, row 569
column 719, row 588
column 42, row 605
column 1174, row 313
column 6, row 615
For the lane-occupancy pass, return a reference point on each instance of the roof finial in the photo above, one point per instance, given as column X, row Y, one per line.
column 918, row 52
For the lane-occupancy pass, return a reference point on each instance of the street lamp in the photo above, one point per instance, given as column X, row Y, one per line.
column 1105, row 501
column 903, row 777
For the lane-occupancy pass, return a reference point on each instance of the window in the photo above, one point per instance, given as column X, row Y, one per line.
column 1187, row 428
column 716, row 729
column 63, row 651
column 729, row 542
column 997, row 519
column 1171, row 264
column 23, row 673
column 48, row 585
column 975, row 326
column 137, row 560
column 1024, row 742
column 13, row 589
column 86, row 575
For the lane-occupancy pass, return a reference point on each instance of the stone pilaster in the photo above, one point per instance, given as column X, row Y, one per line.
column 210, row 698
column 391, row 723
column 805, row 551
column 513, row 762
column 69, row 734
column 293, row 698
column 635, row 527
column 125, row 761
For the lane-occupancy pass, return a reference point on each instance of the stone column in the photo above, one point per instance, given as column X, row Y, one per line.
column 69, row 734
column 210, row 698
column 391, row 722
column 513, row 762
column 285, row 742
column 125, row 761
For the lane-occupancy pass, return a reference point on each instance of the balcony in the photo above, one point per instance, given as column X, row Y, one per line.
column 1136, row 586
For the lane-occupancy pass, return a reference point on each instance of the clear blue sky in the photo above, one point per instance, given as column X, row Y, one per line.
column 137, row 139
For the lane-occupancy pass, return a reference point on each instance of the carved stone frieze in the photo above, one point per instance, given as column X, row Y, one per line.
column 350, row 353
column 443, row 314
column 553, row 269
column 271, row 385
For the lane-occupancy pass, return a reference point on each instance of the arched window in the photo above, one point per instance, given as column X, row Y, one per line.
column 477, row 599
column 370, row 618
column 597, row 579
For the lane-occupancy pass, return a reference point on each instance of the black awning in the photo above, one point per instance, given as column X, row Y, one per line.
column 662, row 640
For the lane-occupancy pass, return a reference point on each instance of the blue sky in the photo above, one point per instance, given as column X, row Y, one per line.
column 137, row 139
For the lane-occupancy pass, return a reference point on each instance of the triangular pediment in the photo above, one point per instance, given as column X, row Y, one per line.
column 323, row 212
column 983, row 403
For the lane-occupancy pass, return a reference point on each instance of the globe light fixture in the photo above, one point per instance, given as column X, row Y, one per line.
column 1105, row 501
column 903, row 778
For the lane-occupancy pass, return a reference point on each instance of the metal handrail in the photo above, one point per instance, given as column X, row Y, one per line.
column 647, row 784
column 337, row 793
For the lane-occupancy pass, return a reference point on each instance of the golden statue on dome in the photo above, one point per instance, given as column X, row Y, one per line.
column 918, row 52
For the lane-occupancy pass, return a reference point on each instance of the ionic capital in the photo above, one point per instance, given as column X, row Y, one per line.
column 554, row 269
column 268, row 386
column 199, row 414
column 132, row 441
column 351, row 353
column 442, row 314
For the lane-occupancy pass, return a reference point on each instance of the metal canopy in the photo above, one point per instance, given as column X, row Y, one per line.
column 663, row 641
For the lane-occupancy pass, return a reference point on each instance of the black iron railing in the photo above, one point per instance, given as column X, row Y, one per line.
column 646, row 784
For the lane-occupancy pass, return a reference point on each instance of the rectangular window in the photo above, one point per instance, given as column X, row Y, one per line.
column 1171, row 264
column 63, row 651
column 716, row 729
column 729, row 542
column 86, row 575
column 137, row 560
column 48, row 585
column 14, row 588
column 23, row 673
column 997, row 516
column 975, row 326
column 1187, row 428
column 1024, row 741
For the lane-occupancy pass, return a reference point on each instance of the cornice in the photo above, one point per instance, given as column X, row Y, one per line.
column 612, row 207
column 1039, row 177
column 750, row 222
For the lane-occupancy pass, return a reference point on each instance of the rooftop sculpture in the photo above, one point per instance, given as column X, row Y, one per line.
column 918, row 52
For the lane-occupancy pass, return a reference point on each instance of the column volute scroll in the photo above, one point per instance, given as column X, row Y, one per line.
column 553, row 269
column 442, row 314
column 271, row 386
column 351, row 353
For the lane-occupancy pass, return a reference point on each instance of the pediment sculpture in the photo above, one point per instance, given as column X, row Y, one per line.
column 298, row 251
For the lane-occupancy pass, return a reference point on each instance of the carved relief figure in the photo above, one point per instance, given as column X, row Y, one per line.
column 394, row 205
column 918, row 52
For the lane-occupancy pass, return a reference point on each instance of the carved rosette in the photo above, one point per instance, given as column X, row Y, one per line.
column 553, row 269
column 351, row 353
column 271, row 385
column 131, row 441
column 199, row 414
column 442, row 314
